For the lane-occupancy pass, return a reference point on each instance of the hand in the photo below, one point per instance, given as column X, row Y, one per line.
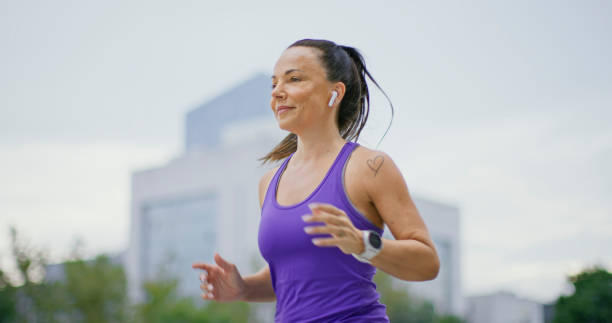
column 221, row 282
column 344, row 234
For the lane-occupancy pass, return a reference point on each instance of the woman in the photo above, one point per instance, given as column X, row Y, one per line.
column 325, row 206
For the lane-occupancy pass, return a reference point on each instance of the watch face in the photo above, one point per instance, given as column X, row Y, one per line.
column 375, row 240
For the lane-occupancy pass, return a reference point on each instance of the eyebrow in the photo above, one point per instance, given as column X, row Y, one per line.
column 289, row 71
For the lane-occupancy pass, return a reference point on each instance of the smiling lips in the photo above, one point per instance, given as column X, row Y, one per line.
column 282, row 109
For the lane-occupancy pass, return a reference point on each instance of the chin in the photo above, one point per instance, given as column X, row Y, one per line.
column 286, row 125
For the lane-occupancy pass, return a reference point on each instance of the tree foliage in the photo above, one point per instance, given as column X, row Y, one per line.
column 7, row 299
column 591, row 300
column 95, row 291
column 88, row 291
column 405, row 308
column 163, row 305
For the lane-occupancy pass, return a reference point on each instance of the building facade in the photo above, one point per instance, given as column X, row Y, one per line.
column 445, row 292
column 503, row 307
column 205, row 200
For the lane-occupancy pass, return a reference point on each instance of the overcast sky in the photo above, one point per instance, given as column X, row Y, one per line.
column 502, row 110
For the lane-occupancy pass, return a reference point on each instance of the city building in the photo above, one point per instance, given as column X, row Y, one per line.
column 205, row 200
column 445, row 292
column 503, row 307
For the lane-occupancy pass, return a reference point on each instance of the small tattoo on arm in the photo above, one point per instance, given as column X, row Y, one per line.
column 376, row 163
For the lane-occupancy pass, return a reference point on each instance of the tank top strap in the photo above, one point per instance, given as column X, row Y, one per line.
column 270, row 193
column 342, row 196
column 345, row 153
column 336, row 170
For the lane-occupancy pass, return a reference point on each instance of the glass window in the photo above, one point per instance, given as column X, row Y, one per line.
column 175, row 234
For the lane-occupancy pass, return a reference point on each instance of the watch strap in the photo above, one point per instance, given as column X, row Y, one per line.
column 369, row 250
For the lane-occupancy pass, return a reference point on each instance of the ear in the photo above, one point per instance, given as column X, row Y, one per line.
column 340, row 88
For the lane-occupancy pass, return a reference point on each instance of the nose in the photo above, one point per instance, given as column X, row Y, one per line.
column 278, row 92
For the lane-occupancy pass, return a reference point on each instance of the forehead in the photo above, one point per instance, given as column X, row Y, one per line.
column 299, row 57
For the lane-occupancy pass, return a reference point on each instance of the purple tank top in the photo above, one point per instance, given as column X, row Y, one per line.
column 317, row 284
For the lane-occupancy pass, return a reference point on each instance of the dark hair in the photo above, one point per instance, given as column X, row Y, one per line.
column 342, row 64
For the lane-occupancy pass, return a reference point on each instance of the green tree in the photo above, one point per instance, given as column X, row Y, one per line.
column 89, row 291
column 163, row 305
column 29, row 299
column 403, row 307
column 7, row 299
column 95, row 291
column 591, row 300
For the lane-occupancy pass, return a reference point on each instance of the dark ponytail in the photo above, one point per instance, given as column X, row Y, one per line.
column 344, row 64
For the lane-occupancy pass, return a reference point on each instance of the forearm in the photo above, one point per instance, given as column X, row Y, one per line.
column 410, row 260
column 258, row 287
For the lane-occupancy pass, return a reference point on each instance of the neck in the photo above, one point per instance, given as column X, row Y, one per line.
column 318, row 143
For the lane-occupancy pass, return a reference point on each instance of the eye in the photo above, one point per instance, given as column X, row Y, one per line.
column 294, row 79
column 273, row 86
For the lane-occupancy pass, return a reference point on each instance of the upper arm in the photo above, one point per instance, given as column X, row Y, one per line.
column 264, row 182
column 388, row 192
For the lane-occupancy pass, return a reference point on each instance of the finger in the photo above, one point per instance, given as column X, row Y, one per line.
column 208, row 296
column 226, row 266
column 201, row 265
column 325, row 218
column 326, row 242
column 204, row 281
column 211, row 271
column 326, row 207
column 321, row 229
column 206, row 287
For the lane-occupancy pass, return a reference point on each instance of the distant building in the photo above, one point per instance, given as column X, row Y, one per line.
column 204, row 125
column 445, row 292
column 503, row 307
column 206, row 201
column 549, row 313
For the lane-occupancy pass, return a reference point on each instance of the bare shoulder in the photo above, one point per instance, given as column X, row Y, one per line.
column 373, row 163
column 264, row 182
column 376, row 170
column 384, row 185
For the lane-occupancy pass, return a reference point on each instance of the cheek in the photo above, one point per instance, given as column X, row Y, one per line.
column 306, row 95
column 316, row 102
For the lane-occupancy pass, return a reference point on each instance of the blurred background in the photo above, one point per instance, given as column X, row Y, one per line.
column 130, row 132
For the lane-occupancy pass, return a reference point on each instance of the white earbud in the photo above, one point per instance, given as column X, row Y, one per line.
column 333, row 98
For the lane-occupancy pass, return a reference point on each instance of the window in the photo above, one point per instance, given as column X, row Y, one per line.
column 176, row 234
